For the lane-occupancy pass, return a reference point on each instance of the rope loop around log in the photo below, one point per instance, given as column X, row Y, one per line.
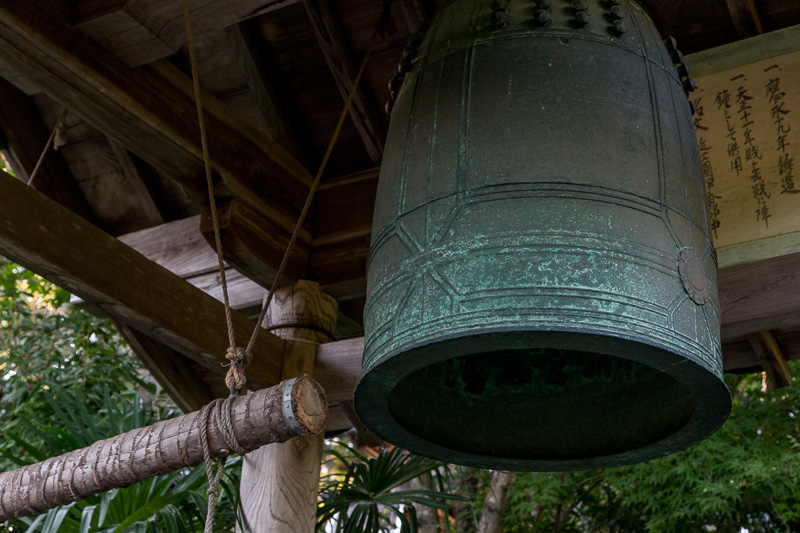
column 238, row 424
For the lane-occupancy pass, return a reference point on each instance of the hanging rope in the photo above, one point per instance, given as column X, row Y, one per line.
column 240, row 358
column 209, row 180
column 236, row 372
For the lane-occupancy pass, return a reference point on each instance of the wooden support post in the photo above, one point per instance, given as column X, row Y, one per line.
column 263, row 417
column 280, row 484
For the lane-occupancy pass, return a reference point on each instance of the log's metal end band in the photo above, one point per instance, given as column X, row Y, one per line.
column 288, row 412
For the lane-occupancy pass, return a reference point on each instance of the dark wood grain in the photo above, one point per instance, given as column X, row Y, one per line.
column 150, row 110
column 27, row 136
column 363, row 112
column 745, row 17
column 761, row 295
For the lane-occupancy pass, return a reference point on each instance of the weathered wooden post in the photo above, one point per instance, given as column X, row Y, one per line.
column 280, row 483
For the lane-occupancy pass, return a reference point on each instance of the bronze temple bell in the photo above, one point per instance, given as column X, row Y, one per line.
column 542, row 287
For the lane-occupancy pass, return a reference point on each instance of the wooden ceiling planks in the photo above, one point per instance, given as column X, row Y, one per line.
column 343, row 66
column 316, row 102
column 149, row 109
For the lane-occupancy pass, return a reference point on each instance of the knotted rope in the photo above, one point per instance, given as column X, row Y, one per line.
column 239, row 358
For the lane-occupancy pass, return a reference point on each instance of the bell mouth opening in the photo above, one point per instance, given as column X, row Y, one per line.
column 541, row 404
column 541, row 400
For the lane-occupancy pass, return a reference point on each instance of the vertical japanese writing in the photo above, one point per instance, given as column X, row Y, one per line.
column 723, row 102
column 708, row 170
column 753, row 155
column 779, row 113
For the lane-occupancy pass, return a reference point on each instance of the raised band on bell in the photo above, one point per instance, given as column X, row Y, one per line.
column 541, row 281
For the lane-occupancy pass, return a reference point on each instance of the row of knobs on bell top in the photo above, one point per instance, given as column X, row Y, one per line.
column 541, row 16
column 543, row 13
column 689, row 86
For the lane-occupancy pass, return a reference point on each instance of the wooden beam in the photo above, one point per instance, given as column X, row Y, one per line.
column 280, row 484
column 338, row 368
column 27, row 135
column 147, row 209
column 170, row 368
column 746, row 20
column 340, row 244
column 738, row 355
column 253, row 244
column 143, row 31
column 262, row 73
column 744, row 52
column 150, row 110
column 363, row 111
column 53, row 242
column 336, row 258
column 760, row 295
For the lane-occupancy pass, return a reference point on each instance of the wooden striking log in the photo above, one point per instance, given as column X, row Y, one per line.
column 256, row 419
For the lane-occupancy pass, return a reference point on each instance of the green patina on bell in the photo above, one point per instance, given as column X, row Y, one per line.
column 542, row 286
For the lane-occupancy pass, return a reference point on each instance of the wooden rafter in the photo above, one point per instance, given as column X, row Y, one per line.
column 150, row 110
column 27, row 135
column 253, row 244
column 262, row 75
column 745, row 17
column 147, row 208
column 771, row 357
column 330, row 36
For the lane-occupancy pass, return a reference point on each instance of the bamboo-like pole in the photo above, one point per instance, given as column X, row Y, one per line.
column 294, row 407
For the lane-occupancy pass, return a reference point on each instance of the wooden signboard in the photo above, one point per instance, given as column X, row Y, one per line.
column 748, row 129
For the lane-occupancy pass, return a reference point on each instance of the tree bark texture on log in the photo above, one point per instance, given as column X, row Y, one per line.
column 496, row 502
column 256, row 419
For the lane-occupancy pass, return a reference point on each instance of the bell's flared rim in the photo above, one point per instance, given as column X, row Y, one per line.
column 711, row 397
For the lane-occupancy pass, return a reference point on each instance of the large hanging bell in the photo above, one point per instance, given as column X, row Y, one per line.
column 542, row 290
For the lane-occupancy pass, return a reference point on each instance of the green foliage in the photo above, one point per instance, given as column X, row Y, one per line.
column 171, row 503
column 361, row 494
column 744, row 476
column 68, row 380
column 4, row 165
column 45, row 340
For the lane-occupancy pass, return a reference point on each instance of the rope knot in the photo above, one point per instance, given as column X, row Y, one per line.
column 239, row 358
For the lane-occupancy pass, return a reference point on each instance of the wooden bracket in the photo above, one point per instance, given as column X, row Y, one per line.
column 772, row 360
